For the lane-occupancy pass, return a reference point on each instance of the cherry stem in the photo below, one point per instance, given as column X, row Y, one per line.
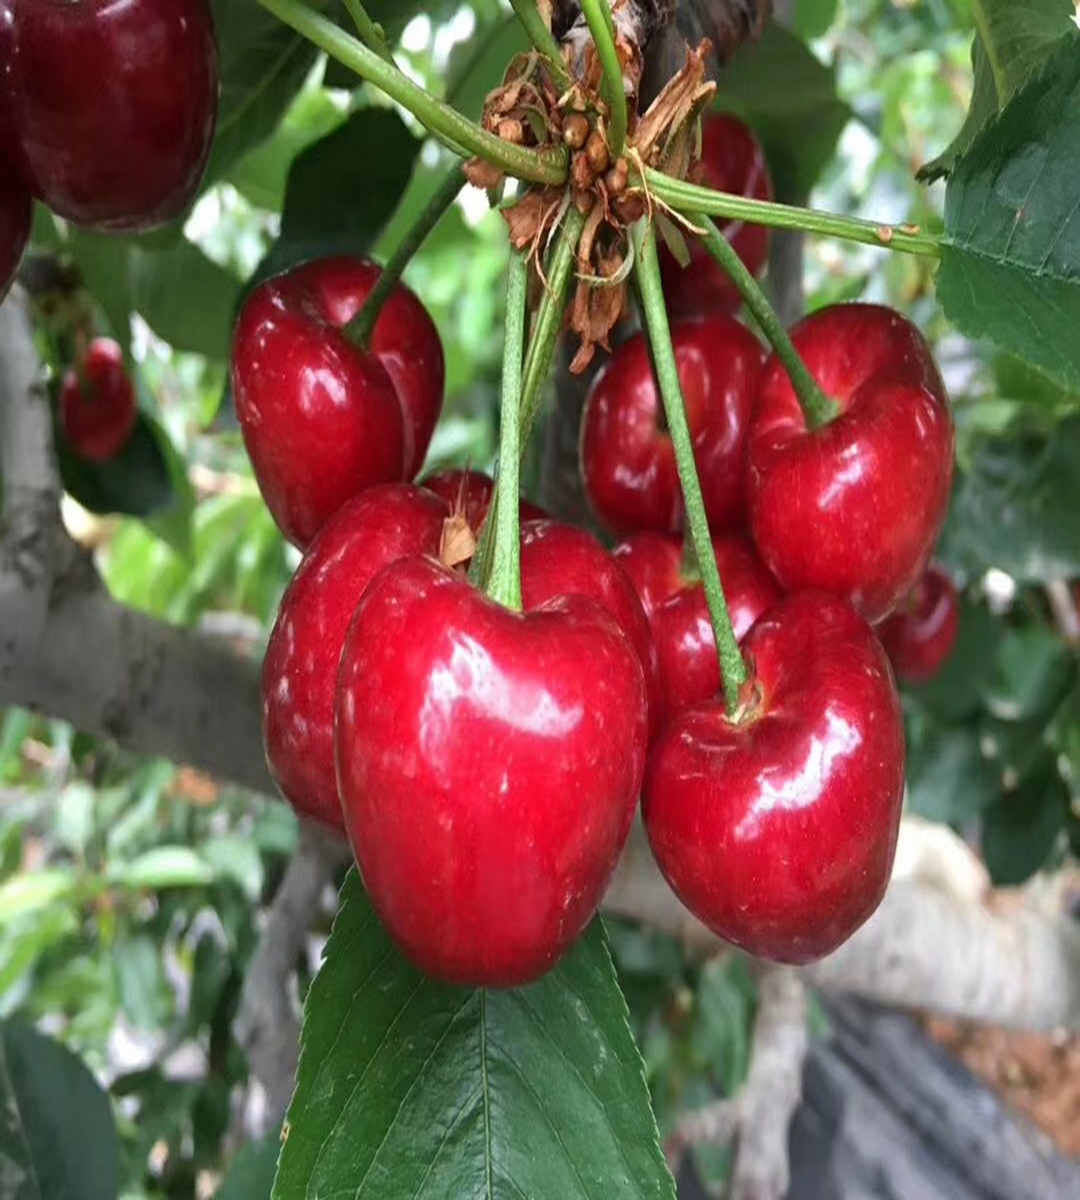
column 361, row 327
column 370, row 32
column 647, row 270
column 549, row 318
column 543, row 39
column 503, row 568
column 689, row 198
column 818, row 408
column 463, row 136
column 598, row 15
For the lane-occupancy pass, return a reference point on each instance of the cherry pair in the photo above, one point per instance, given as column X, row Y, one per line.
column 488, row 762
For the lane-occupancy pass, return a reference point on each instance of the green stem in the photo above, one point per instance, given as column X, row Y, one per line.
column 602, row 28
column 359, row 329
column 543, row 39
column 818, row 408
column 444, row 122
column 689, row 198
column 503, row 582
column 647, row 267
column 549, row 318
column 371, row 34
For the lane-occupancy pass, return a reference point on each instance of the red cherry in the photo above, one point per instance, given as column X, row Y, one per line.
column 469, row 492
column 404, row 340
column 732, row 160
column 920, row 635
column 97, row 403
column 16, row 214
column 778, row 830
column 678, row 615
column 627, row 457
column 321, row 418
column 855, row 506
column 113, row 105
column 560, row 560
column 300, row 668
column 489, row 764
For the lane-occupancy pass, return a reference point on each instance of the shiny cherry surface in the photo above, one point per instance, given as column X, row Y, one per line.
column 489, row 765
column 732, row 160
column 321, row 418
column 299, row 674
column 779, row 831
column 674, row 603
column 404, row 340
column 920, row 635
column 561, row 560
column 114, row 104
column 16, row 213
column 98, row 409
column 469, row 493
column 855, row 506
column 627, row 457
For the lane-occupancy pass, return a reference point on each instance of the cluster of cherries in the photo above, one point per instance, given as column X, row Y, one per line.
column 107, row 115
column 487, row 763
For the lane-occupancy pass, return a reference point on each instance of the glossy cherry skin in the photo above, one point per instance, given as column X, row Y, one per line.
column 16, row 214
column 98, row 409
column 678, row 615
column 299, row 673
column 321, row 418
column 114, row 104
column 489, row 764
column 561, row 560
column 732, row 160
column 779, row 831
column 469, row 493
column 921, row 633
column 404, row 340
column 855, row 506
column 627, row 457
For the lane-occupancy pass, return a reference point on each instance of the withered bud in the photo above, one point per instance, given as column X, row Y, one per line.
column 631, row 207
column 597, row 152
column 616, row 179
column 584, row 201
column 575, row 131
column 511, row 130
column 581, row 174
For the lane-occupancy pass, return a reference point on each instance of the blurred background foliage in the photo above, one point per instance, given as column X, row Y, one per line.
column 130, row 890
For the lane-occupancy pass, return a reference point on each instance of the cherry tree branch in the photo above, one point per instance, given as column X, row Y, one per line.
column 267, row 1022
column 758, row 1117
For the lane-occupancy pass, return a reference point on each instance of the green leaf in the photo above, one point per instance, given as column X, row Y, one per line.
column 145, row 995
column 812, row 18
column 1010, row 269
column 262, row 175
column 162, row 867
column 410, row 1088
column 1021, row 829
column 58, row 1137
column 1018, row 508
column 984, row 105
column 22, row 894
column 948, row 777
column 344, row 189
column 1034, row 671
column 478, row 65
column 251, row 1176
column 103, row 263
column 789, row 98
column 959, row 688
column 262, row 64
column 136, row 481
column 1018, row 35
column 186, row 298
